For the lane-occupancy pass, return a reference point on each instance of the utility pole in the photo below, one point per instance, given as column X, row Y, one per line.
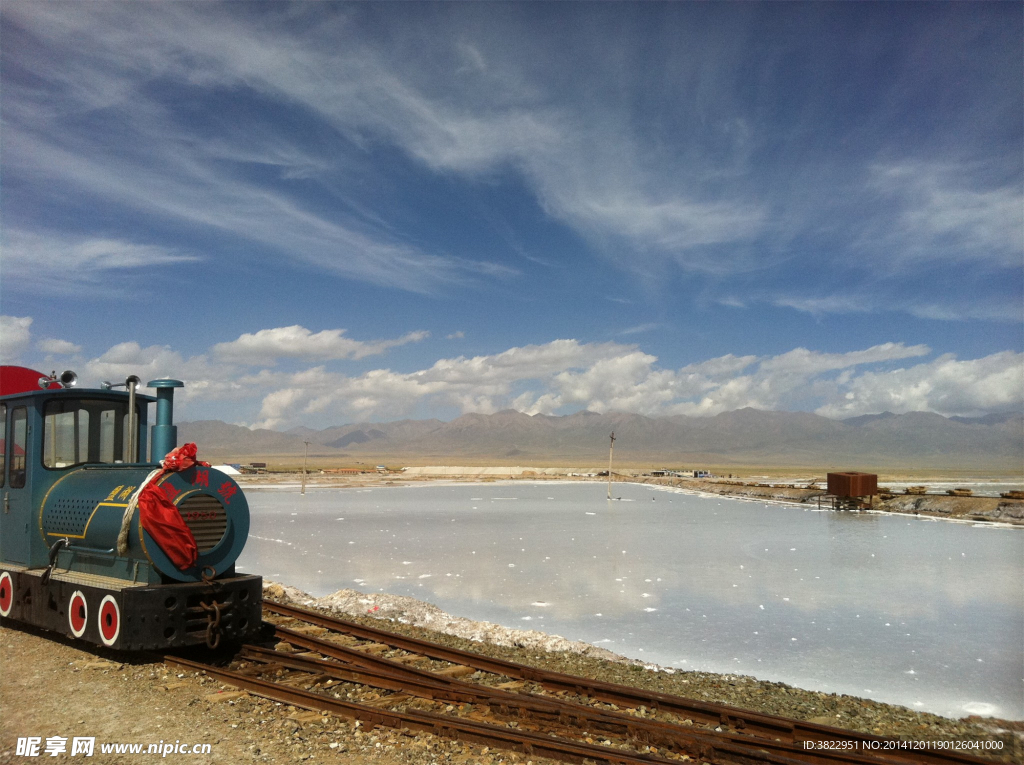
column 611, row 448
column 304, row 455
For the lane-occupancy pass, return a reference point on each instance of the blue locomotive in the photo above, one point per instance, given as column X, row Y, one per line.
column 77, row 554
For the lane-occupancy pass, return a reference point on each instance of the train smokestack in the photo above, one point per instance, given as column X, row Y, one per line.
column 165, row 432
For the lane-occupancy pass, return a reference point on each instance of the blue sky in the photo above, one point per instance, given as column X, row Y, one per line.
column 316, row 213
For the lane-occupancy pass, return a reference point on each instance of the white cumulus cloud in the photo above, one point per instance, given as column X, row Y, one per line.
column 558, row 377
column 15, row 336
column 263, row 348
column 946, row 386
column 478, row 384
column 566, row 375
column 58, row 347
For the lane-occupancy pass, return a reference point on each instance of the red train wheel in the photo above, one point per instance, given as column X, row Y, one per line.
column 78, row 614
column 6, row 594
column 110, row 620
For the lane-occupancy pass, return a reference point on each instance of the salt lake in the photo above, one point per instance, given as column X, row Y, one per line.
column 913, row 611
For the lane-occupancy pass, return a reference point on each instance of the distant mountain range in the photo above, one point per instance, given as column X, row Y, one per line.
column 742, row 437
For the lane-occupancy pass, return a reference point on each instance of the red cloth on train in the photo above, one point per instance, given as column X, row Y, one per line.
column 182, row 458
column 161, row 519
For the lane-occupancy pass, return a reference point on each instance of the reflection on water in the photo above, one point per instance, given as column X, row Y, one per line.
column 906, row 610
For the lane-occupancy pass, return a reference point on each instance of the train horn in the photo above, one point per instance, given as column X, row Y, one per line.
column 68, row 379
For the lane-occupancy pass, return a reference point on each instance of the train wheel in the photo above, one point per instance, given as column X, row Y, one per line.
column 78, row 614
column 110, row 620
column 6, row 594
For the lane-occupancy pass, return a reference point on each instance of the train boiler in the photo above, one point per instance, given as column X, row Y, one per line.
column 104, row 545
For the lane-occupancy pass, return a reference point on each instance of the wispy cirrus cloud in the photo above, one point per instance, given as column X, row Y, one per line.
column 943, row 216
column 166, row 168
column 60, row 262
column 681, row 144
column 924, row 305
column 595, row 179
column 639, row 329
column 180, row 185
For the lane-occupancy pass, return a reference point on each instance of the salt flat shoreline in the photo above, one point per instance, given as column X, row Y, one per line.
column 963, row 509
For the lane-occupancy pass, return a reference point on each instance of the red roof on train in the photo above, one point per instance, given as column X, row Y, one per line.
column 22, row 380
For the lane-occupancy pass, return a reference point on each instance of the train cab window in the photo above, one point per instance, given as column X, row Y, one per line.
column 19, row 443
column 3, row 443
column 84, row 430
column 108, row 435
column 67, row 438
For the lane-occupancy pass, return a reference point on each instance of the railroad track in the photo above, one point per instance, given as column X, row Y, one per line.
column 525, row 709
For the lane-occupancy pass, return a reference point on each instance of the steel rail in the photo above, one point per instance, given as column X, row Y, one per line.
column 549, row 713
column 390, row 675
column 468, row 730
column 745, row 721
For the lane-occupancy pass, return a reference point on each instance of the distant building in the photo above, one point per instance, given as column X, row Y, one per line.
column 848, row 491
column 852, row 485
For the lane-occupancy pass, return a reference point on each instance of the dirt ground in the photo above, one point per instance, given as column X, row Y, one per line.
column 53, row 688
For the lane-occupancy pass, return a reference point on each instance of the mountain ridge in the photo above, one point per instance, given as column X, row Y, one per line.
column 743, row 436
